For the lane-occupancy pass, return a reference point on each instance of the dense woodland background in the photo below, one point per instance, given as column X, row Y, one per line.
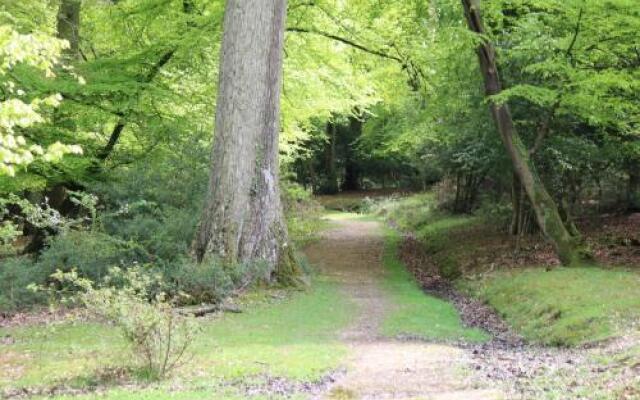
column 107, row 118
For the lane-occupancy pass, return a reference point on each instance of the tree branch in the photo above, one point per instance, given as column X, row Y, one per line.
column 104, row 153
column 543, row 129
column 349, row 42
column 575, row 35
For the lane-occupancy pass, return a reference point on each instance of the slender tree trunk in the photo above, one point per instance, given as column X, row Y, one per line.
column 243, row 219
column 331, row 186
column 351, row 169
column 633, row 188
column 517, row 206
column 117, row 130
column 68, row 24
column 68, row 28
column 546, row 211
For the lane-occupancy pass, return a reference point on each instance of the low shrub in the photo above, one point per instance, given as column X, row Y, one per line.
column 496, row 214
column 158, row 335
column 165, row 233
column 91, row 253
column 210, row 281
column 16, row 274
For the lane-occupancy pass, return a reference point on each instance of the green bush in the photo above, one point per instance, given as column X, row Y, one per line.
column 210, row 281
column 16, row 274
column 496, row 214
column 91, row 253
column 164, row 232
column 294, row 194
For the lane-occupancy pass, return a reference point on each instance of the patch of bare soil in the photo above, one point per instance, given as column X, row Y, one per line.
column 102, row 381
column 36, row 317
column 382, row 368
column 266, row 385
column 614, row 240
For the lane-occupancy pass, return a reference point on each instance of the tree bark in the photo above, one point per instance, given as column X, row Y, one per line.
column 68, row 28
column 243, row 220
column 331, row 185
column 546, row 211
column 633, row 188
column 351, row 168
column 68, row 24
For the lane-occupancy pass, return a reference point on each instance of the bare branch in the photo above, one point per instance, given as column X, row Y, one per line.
column 349, row 42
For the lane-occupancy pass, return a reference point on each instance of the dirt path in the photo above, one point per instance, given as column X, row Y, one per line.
column 382, row 368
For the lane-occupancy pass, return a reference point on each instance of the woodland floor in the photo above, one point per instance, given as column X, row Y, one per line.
column 379, row 367
column 365, row 329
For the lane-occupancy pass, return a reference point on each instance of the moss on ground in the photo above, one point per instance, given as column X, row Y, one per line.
column 564, row 306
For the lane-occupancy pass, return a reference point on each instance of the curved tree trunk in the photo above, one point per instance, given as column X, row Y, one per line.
column 243, row 219
column 546, row 211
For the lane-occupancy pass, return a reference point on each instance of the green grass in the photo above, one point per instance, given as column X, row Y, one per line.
column 419, row 215
column 417, row 314
column 294, row 338
column 565, row 306
column 306, row 229
column 330, row 216
column 62, row 352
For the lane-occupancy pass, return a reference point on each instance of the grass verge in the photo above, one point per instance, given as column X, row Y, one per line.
column 416, row 314
column 564, row 306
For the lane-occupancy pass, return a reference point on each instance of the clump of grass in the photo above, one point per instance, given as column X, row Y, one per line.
column 564, row 306
column 415, row 313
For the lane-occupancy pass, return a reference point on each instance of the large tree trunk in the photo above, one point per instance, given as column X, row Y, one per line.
column 243, row 219
column 545, row 209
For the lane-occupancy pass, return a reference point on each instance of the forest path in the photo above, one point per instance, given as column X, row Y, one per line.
column 351, row 253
